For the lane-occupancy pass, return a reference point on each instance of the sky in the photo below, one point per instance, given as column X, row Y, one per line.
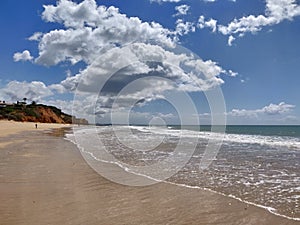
column 155, row 61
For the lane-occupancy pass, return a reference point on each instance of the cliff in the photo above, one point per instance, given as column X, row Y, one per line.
column 37, row 113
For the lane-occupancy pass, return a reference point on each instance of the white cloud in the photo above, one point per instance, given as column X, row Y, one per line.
column 182, row 10
column 141, row 118
column 230, row 40
column 125, row 87
column 211, row 23
column 209, row 0
column 243, row 25
column 205, row 72
column 232, row 73
column 243, row 113
column 23, row 56
column 33, row 91
column 36, row 36
column 275, row 12
column 272, row 109
column 127, row 59
column 209, row 68
column 91, row 30
column 65, row 106
column 271, row 114
column 183, row 28
column 161, row 1
column 57, row 88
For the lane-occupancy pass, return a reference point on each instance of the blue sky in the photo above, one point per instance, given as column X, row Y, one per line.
column 248, row 49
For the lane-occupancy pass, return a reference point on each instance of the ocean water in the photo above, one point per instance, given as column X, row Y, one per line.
column 259, row 165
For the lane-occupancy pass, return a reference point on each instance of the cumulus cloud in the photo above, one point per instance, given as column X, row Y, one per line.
column 36, row 36
column 230, row 40
column 130, row 62
column 23, row 56
column 243, row 113
column 146, row 59
column 91, row 30
column 276, row 11
column 140, row 73
column 272, row 109
column 211, row 23
column 182, row 10
column 183, row 28
column 162, row 1
column 33, row 91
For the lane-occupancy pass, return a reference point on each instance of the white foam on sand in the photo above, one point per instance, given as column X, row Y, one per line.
column 239, row 138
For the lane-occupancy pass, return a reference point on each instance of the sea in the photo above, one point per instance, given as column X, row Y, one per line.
column 259, row 165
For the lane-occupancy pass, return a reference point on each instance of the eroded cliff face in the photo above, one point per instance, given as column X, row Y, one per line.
column 46, row 115
column 37, row 113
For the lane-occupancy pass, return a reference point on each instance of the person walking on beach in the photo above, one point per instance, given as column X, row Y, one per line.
column 36, row 126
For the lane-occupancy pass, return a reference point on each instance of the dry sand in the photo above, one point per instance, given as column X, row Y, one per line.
column 44, row 180
column 12, row 127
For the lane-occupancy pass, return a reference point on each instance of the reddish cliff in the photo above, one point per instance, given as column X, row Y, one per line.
column 37, row 113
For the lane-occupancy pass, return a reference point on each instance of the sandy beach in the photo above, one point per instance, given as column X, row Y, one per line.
column 12, row 127
column 45, row 180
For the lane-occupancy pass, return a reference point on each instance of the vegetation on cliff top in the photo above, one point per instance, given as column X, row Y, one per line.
column 36, row 113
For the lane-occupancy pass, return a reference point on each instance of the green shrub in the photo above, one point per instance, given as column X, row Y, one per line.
column 30, row 112
column 15, row 117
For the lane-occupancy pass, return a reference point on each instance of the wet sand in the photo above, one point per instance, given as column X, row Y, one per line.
column 45, row 180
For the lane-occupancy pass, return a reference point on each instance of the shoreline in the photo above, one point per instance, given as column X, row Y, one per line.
column 273, row 209
column 266, row 208
column 74, row 193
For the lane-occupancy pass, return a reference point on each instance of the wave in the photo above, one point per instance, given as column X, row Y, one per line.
column 273, row 141
column 241, row 140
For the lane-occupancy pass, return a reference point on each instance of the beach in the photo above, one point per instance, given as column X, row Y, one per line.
column 11, row 127
column 45, row 180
